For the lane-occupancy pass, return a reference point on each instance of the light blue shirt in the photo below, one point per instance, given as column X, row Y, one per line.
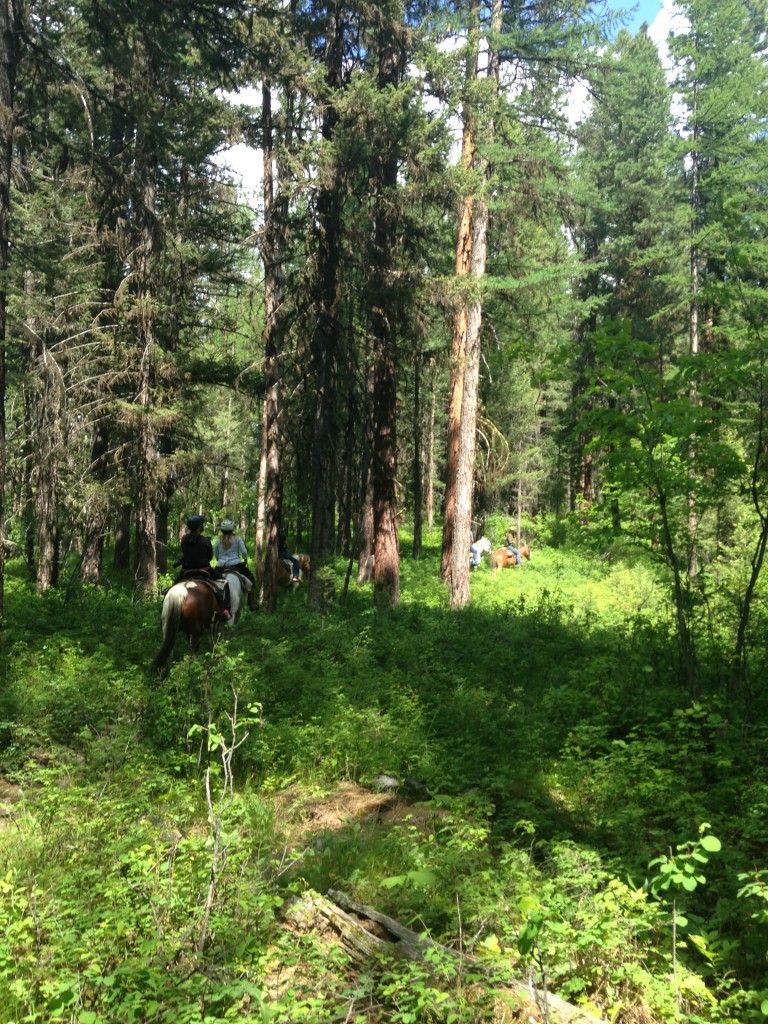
column 234, row 555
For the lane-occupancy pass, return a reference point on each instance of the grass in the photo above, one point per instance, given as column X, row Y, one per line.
column 546, row 722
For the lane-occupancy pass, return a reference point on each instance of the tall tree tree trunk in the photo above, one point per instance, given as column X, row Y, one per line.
column 145, row 564
column 693, row 560
column 273, row 255
column 465, row 477
column 429, row 459
column 418, row 469
column 48, row 446
column 11, row 28
column 684, row 638
column 465, row 470
column 261, row 503
column 96, row 510
column 324, row 343
column 166, row 447
column 226, row 457
column 458, row 342
column 364, row 532
column 386, row 569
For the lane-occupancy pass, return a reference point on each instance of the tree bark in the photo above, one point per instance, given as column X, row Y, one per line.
column 463, row 268
column 122, row 552
column 418, row 471
column 458, row 355
column 465, row 468
column 429, row 486
column 273, row 255
column 364, row 533
column 382, row 318
column 324, row 343
column 465, row 476
column 693, row 560
column 48, row 413
column 11, row 28
column 96, row 510
column 144, row 563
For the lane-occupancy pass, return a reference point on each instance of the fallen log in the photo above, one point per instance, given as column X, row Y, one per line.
column 367, row 935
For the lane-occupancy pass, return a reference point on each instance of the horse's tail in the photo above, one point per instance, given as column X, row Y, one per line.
column 170, row 619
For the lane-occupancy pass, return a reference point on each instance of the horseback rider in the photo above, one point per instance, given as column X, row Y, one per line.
column 474, row 550
column 509, row 536
column 231, row 555
column 196, row 555
column 286, row 556
column 230, row 551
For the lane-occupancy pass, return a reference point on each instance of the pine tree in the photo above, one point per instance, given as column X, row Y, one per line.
column 11, row 34
column 723, row 82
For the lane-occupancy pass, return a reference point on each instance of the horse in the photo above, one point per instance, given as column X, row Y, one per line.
column 483, row 548
column 503, row 557
column 190, row 607
column 238, row 594
column 284, row 571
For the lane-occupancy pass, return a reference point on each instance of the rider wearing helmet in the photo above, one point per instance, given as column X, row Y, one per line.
column 196, row 550
column 230, row 551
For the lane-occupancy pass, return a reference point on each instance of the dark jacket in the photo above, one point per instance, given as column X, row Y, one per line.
column 196, row 552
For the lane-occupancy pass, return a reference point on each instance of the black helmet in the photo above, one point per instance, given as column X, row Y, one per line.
column 194, row 521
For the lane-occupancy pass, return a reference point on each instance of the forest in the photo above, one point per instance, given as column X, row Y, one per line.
column 501, row 279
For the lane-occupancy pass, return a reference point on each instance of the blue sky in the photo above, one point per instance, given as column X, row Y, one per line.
column 646, row 11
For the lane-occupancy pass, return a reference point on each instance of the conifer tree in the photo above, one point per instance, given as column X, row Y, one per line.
column 722, row 79
column 12, row 24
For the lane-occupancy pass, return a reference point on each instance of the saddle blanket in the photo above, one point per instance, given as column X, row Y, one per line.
column 245, row 583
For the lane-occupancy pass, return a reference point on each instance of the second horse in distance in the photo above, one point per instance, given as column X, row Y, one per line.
column 502, row 558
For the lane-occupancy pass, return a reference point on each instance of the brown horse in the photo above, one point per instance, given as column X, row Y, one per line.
column 192, row 608
column 503, row 557
column 284, row 571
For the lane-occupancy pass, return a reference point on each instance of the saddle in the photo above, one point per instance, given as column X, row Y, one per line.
column 287, row 565
column 245, row 583
column 220, row 588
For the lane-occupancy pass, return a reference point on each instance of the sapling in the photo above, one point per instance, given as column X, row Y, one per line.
column 226, row 746
column 681, row 872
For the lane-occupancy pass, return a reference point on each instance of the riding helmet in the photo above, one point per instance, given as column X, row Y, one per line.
column 227, row 526
column 194, row 521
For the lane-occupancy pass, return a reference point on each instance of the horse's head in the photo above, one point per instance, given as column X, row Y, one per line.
column 304, row 564
column 525, row 551
column 484, row 545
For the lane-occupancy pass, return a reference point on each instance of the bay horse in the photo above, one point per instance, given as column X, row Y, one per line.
column 190, row 607
column 502, row 558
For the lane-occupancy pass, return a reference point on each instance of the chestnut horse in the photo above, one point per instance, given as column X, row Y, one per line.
column 284, row 571
column 191, row 608
column 503, row 557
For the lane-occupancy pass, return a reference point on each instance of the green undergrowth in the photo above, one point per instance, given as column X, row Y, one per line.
column 567, row 807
